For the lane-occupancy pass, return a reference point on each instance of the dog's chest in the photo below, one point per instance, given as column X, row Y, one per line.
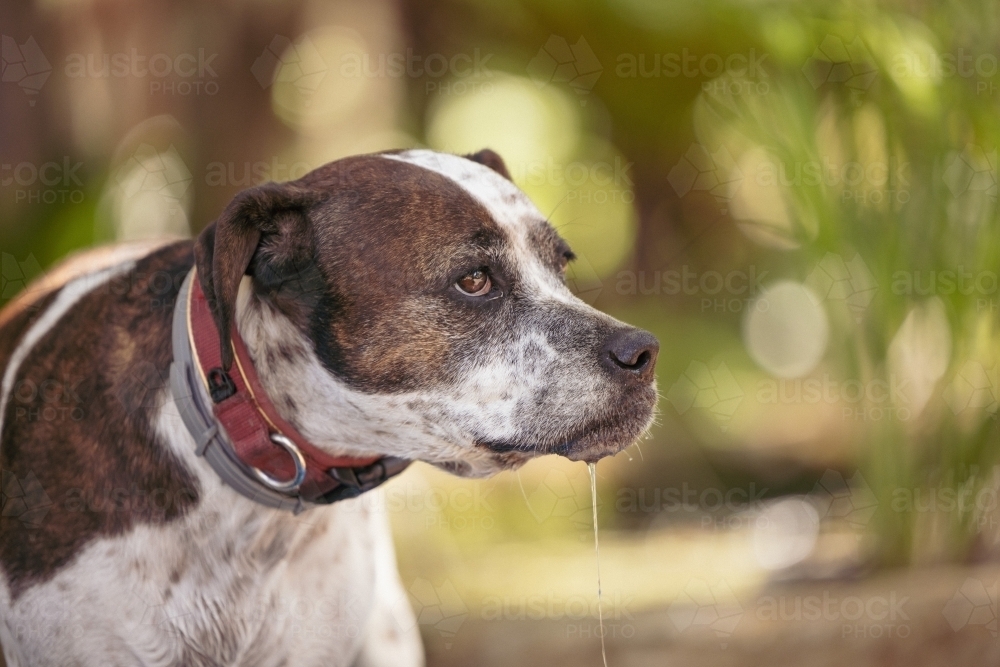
column 144, row 557
column 223, row 586
column 229, row 583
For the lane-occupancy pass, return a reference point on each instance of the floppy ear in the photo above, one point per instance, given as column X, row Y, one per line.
column 224, row 249
column 492, row 160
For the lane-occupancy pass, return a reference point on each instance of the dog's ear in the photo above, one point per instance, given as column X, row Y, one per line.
column 224, row 250
column 490, row 159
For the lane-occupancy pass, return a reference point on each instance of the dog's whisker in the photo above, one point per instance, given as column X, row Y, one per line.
column 556, row 207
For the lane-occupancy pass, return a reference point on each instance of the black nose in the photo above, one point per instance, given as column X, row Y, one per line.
column 630, row 354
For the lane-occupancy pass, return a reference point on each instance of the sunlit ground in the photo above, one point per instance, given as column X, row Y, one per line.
column 770, row 585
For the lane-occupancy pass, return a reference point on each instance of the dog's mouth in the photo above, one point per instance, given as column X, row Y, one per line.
column 598, row 439
column 590, row 444
column 619, row 425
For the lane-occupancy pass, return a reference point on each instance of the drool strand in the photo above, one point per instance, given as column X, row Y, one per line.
column 592, row 467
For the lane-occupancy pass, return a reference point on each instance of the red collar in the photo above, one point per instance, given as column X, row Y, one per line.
column 270, row 448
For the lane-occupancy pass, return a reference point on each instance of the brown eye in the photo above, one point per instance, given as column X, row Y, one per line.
column 476, row 283
column 564, row 261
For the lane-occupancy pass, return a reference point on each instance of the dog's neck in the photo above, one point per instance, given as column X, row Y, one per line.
column 327, row 412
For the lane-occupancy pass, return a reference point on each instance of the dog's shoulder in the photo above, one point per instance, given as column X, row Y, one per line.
column 40, row 291
column 85, row 359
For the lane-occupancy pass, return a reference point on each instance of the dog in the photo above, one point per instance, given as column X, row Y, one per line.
column 186, row 427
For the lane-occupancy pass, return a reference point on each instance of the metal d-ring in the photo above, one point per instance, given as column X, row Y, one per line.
column 300, row 467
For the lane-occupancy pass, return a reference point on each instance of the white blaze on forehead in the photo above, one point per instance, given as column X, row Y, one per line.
column 506, row 204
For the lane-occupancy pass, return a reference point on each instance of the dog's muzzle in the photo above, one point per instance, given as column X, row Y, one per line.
column 238, row 431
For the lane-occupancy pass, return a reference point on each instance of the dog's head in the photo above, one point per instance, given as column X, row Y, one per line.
column 414, row 304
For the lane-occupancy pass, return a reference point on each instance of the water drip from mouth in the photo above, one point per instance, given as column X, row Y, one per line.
column 592, row 468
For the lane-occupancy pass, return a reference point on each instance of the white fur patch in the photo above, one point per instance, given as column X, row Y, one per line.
column 512, row 210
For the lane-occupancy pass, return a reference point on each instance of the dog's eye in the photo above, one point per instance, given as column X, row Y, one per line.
column 564, row 260
column 476, row 283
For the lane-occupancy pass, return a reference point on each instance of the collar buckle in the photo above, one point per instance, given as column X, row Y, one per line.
column 356, row 480
column 220, row 385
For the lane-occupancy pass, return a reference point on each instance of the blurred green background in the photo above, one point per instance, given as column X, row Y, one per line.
column 798, row 198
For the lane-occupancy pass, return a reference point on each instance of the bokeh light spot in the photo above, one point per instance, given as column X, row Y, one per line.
column 786, row 329
column 785, row 533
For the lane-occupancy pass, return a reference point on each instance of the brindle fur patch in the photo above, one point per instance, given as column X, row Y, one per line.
column 78, row 421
